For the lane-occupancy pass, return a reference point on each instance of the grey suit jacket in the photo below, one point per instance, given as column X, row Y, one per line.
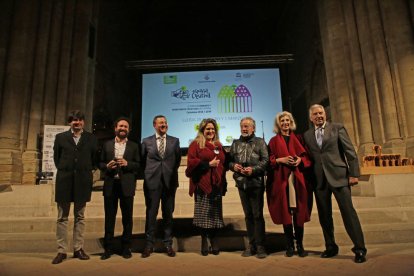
column 337, row 159
column 156, row 167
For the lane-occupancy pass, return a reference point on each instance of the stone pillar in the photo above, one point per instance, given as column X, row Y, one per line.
column 65, row 64
column 399, row 31
column 17, row 86
column 31, row 155
column 345, row 78
column 381, row 90
column 359, row 92
column 5, row 22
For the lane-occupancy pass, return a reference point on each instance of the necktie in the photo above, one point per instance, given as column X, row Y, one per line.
column 161, row 147
column 319, row 136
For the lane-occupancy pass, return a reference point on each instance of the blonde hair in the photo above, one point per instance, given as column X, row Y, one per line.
column 281, row 115
column 200, row 139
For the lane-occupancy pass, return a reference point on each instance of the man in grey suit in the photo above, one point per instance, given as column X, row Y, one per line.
column 336, row 169
column 161, row 157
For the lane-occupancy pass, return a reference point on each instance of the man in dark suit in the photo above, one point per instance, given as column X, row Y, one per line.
column 336, row 169
column 161, row 157
column 75, row 157
column 120, row 160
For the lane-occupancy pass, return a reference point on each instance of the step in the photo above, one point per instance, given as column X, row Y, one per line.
column 228, row 239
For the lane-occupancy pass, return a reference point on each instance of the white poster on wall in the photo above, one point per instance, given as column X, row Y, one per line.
column 48, row 165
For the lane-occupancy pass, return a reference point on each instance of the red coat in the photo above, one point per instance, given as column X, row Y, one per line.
column 199, row 171
column 277, row 181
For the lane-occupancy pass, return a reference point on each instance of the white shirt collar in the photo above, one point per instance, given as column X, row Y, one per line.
column 323, row 126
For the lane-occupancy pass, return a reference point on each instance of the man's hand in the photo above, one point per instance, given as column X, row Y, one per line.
column 247, row 171
column 121, row 162
column 353, row 181
column 238, row 168
column 111, row 165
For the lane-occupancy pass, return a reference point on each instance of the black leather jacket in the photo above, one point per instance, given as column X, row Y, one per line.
column 249, row 152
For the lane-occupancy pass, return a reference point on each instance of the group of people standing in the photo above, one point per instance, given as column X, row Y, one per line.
column 322, row 161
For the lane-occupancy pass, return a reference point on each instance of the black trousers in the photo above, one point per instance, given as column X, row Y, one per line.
column 111, row 208
column 252, row 202
column 350, row 218
column 152, row 201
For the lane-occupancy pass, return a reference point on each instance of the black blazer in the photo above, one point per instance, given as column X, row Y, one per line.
column 128, row 174
column 74, row 165
column 155, row 166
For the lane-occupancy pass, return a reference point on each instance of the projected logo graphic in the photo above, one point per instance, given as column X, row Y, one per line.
column 181, row 93
column 234, row 99
column 170, row 79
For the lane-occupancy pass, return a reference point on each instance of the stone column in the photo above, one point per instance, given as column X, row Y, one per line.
column 17, row 86
column 359, row 91
column 5, row 23
column 399, row 31
column 345, row 79
column 31, row 155
column 380, row 88
column 65, row 64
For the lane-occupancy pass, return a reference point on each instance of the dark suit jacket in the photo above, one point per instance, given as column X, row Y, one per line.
column 155, row 166
column 74, row 165
column 336, row 159
column 128, row 174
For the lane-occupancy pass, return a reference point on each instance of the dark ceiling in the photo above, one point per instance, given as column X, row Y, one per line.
column 157, row 29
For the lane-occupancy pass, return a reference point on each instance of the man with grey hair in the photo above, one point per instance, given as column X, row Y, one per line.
column 336, row 169
column 248, row 161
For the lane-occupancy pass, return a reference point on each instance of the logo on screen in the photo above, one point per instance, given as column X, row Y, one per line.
column 181, row 93
column 234, row 99
column 170, row 79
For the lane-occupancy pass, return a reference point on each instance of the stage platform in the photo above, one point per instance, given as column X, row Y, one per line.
column 385, row 204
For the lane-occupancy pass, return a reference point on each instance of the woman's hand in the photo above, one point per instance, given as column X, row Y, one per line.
column 287, row 160
column 214, row 163
column 296, row 161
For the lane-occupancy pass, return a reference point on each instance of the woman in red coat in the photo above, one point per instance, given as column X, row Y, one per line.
column 287, row 192
column 205, row 168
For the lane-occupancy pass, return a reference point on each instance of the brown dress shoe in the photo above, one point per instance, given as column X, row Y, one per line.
column 147, row 252
column 59, row 258
column 170, row 251
column 80, row 254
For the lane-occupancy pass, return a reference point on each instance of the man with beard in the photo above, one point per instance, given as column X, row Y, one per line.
column 161, row 157
column 120, row 161
column 248, row 161
column 74, row 154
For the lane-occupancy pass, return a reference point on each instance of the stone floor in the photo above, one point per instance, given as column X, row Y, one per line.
column 383, row 259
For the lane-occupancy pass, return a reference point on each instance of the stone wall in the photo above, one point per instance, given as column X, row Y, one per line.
column 46, row 70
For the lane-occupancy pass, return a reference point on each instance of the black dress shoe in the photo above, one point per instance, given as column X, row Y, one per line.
column 289, row 251
column 360, row 257
column 147, row 252
column 59, row 258
column 80, row 254
column 106, row 255
column 126, row 253
column 328, row 253
column 170, row 251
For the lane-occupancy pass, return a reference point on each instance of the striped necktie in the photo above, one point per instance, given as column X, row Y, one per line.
column 161, row 147
column 319, row 136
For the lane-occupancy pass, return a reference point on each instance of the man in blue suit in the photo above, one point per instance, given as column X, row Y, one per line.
column 161, row 157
